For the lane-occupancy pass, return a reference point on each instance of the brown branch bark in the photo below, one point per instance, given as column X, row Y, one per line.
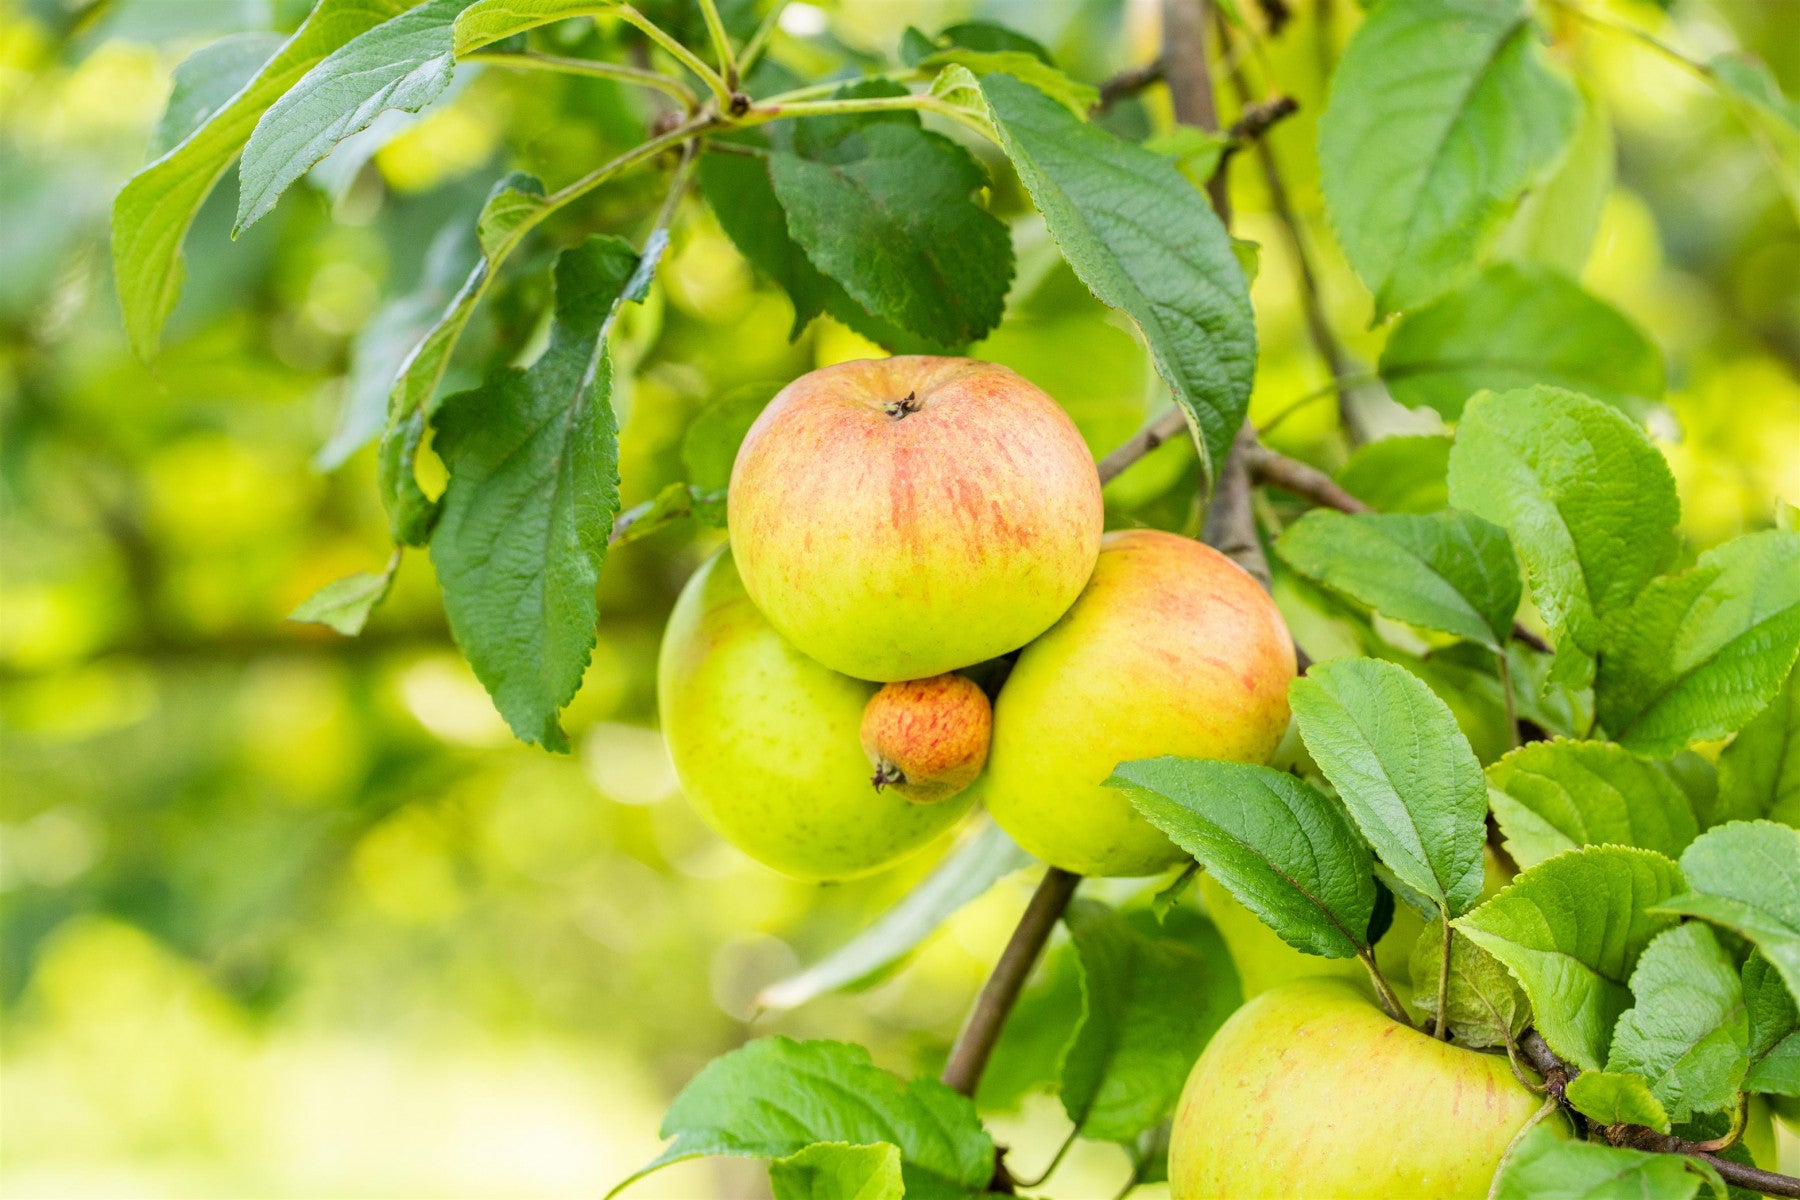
column 975, row 1044
column 1127, row 83
column 1557, row 1075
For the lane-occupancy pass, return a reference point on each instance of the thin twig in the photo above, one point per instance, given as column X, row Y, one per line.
column 1384, row 991
column 715, row 29
column 974, row 1045
column 532, row 61
column 1442, row 1025
column 759, row 41
column 1304, row 481
column 1506, row 690
column 714, row 82
column 1155, row 433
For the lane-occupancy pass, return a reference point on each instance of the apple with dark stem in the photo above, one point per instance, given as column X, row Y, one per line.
column 927, row 738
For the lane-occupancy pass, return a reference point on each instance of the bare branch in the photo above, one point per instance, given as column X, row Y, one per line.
column 969, row 1056
column 1127, row 83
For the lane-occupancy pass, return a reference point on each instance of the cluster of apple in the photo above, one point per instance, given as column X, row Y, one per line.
column 895, row 522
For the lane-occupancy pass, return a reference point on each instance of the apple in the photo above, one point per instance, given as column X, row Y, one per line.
column 927, row 738
column 899, row 518
column 1171, row 649
column 1309, row 1090
column 766, row 744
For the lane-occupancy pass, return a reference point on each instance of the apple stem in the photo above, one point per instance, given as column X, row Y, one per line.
column 1443, row 996
column 886, row 774
column 1383, row 991
column 903, row 408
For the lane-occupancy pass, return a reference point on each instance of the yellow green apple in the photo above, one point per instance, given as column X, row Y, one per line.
column 927, row 738
column 1310, row 1091
column 1171, row 649
column 766, row 744
column 899, row 518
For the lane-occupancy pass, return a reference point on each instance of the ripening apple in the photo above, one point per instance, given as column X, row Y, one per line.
column 1311, row 1091
column 1171, row 649
column 927, row 738
column 766, row 741
column 899, row 518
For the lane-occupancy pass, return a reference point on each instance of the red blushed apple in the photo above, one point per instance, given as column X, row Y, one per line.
column 1171, row 649
column 899, row 518
column 927, row 738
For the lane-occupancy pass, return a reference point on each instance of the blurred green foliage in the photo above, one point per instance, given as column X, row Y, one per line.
column 285, row 913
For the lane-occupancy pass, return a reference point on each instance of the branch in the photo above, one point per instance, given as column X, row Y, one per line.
column 1127, row 83
column 974, row 1045
column 1557, row 1075
column 1306, row 281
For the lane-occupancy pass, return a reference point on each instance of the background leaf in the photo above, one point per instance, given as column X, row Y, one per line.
column 1571, row 930
column 1687, row 1032
column 1558, row 795
column 404, row 64
column 534, row 487
column 1151, row 1001
column 1746, row 876
column 1442, row 112
column 1407, row 474
column 345, row 604
column 156, row 206
column 1587, row 498
column 1702, row 652
column 1140, row 236
column 1511, row 327
column 775, row 1097
column 1284, row 851
column 1448, row 571
column 488, row 21
column 1404, row 770
column 206, row 81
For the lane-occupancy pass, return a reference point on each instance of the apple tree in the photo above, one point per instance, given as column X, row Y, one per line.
column 1377, row 944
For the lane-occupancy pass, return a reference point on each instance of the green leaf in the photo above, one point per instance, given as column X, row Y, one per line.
column 1687, row 1033
column 156, row 206
column 1586, row 496
column 1394, row 753
column 1746, row 876
column 1447, row 571
column 1151, row 1002
column 345, row 604
column 1074, row 96
column 1570, row 930
column 742, row 198
column 1400, row 474
column 1511, row 327
column 205, row 81
column 1555, row 796
column 404, row 64
column 885, row 208
column 1281, row 848
column 1543, row 1165
column 967, row 872
column 836, row 1171
column 1701, row 653
column 775, row 1097
column 514, row 207
column 488, row 21
column 1144, row 241
column 1556, row 223
column 1759, row 773
column 533, row 459
column 1617, row 1098
column 983, row 36
column 1486, row 1006
column 1441, row 114
column 1774, row 1045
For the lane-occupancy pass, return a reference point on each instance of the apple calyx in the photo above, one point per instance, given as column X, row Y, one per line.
column 927, row 738
column 902, row 408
